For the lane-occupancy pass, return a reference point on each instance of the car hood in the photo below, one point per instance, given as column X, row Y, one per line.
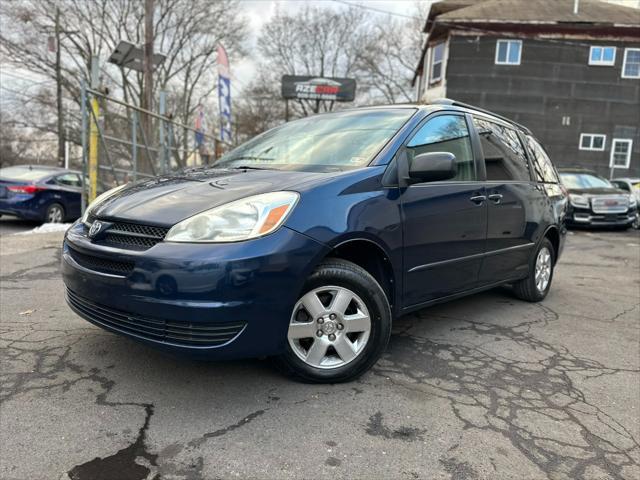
column 165, row 201
column 597, row 191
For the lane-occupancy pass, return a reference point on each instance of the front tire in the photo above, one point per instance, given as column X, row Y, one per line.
column 536, row 286
column 339, row 327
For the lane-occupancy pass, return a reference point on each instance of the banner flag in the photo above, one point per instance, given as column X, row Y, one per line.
column 200, row 126
column 224, row 95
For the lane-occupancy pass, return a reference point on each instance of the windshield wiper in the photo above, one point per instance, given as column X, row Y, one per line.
column 249, row 167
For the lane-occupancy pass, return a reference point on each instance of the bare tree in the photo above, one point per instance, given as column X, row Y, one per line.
column 315, row 41
column 386, row 66
column 186, row 31
column 378, row 51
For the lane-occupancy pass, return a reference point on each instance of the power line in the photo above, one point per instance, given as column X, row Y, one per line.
column 377, row 10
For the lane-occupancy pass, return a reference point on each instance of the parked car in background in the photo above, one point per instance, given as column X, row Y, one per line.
column 631, row 185
column 596, row 202
column 46, row 194
column 314, row 235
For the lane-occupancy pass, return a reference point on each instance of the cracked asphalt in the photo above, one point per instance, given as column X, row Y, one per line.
column 486, row 387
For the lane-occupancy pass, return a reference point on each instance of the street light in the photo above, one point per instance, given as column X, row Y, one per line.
column 127, row 55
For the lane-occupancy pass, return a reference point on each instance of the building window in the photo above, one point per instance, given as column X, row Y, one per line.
column 620, row 153
column 631, row 63
column 605, row 56
column 592, row 141
column 437, row 59
column 508, row 52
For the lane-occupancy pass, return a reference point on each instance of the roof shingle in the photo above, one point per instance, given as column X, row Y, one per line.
column 543, row 11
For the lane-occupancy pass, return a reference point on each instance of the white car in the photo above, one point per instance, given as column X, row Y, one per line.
column 631, row 185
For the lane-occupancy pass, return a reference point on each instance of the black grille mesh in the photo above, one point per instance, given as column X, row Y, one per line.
column 130, row 235
column 143, row 230
column 101, row 264
column 192, row 334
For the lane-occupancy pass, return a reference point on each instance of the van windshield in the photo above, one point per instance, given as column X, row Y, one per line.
column 334, row 141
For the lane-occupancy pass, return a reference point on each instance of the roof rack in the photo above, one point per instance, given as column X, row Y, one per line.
column 454, row 103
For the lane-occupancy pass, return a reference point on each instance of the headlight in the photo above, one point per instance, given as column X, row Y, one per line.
column 579, row 201
column 98, row 200
column 633, row 201
column 243, row 219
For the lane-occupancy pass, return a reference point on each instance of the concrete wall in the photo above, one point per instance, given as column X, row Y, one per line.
column 554, row 80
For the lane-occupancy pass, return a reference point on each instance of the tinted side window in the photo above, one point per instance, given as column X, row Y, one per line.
column 69, row 180
column 542, row 166
column 446, row 133
column 503, row 152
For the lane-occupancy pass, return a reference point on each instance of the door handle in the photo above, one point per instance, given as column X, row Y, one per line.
column 478, row 199
column 495, row 197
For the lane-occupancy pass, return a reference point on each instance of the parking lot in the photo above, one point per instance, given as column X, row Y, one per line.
column 483, row 387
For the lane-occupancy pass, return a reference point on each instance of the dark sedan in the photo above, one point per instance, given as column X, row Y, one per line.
column 46, row 194
column 595, row 202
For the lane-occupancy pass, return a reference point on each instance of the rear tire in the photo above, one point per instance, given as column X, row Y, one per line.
column 536, row 286
column 329, row 339
column 55, row 214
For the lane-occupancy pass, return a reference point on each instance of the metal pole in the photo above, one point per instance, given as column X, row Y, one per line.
column 163, row 142
column 83, row 107
column 93, row 131
column 60, row 119
column 66, row 148
column 134, row 141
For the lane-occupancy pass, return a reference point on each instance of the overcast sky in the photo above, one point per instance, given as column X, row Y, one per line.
column 260, row 12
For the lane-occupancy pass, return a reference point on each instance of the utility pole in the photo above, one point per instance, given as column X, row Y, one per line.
column 61, row 135
column 147, row 85
column 147, row 61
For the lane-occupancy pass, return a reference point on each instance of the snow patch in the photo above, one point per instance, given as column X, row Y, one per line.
column 48, row 228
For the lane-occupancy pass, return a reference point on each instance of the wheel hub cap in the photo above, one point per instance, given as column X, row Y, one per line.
column 329, row 327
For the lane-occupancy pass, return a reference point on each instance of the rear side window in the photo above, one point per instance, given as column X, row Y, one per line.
column 542, row 166
column 69, row 180
column 446, row 133
column 504, row 154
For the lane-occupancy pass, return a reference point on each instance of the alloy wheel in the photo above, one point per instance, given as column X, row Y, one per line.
column 543, row 269
column 54, row 215
column 329, row 327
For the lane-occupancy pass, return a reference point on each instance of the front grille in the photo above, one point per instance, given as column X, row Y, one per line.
column 130, row 235
column 189, row 334
column 614, row 204
column 101, row 264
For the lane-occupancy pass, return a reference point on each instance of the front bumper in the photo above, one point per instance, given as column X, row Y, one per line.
column 586, row 217
column 215, row 301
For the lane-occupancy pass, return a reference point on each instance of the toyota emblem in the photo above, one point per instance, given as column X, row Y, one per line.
column 95, row 229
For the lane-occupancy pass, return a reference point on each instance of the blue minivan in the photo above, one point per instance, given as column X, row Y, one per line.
column 305, row 243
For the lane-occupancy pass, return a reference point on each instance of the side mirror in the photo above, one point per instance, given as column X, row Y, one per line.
column 433, row 166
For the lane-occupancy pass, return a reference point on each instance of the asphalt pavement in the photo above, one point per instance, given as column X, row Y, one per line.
column 10, row 225
column 486, row 387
